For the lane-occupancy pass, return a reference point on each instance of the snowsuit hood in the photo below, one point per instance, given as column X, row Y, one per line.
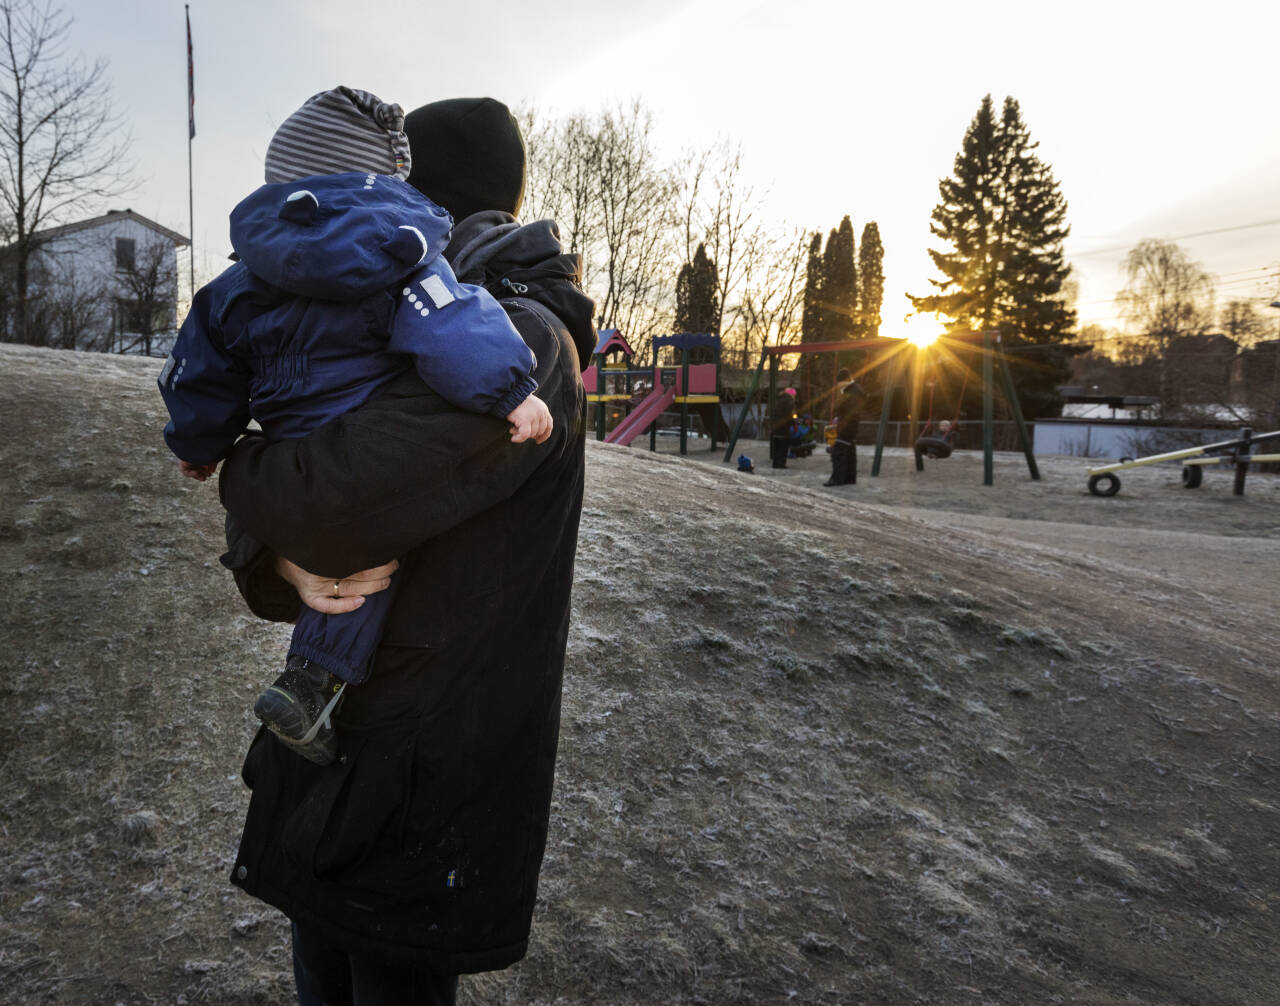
column 337, row 237
column 494, row 250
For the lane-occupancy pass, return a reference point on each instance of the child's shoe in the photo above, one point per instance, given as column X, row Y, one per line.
column 297, row 706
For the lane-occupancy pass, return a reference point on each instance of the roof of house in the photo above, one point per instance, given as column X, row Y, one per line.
column 111, row 216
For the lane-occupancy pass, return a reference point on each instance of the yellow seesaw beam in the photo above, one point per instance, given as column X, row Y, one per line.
column 1186, row 452
column 1229, row 460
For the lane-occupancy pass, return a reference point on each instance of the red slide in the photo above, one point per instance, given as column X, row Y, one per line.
column 641, row 416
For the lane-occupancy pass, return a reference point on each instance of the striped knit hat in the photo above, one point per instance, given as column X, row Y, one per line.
column 339, row 131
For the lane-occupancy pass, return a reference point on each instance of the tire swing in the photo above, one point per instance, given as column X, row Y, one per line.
column 934, row 446
column 1104, row 485
column 939, row 444
column 1192, row 476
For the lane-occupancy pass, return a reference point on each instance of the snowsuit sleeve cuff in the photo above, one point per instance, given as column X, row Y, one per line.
column 504, row 406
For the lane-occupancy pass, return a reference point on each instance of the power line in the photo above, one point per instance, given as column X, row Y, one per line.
column 1266, row 274
column 1183, row 237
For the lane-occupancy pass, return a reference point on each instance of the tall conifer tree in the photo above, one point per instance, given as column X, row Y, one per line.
column 811, row 317
column 839, row 310
column 1005, row 219
column 870, row 281
column 840, row 284
column 697, row 300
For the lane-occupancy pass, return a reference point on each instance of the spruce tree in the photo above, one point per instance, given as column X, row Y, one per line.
column 1005, row 219
column 870, row 281
column 840, row 284
column 696, row 301
column 839, row 307
column 812, row 319
column 811, row 316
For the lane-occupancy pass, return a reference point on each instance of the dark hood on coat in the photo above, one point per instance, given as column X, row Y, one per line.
column 494, row 250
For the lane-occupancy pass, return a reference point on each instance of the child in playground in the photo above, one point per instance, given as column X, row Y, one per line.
column 340, row 287
column 800, row 434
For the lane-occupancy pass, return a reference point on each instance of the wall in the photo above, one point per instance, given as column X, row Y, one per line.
column 78, row 271
column 1115, row 440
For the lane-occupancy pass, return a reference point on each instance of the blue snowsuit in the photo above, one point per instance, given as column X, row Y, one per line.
column 339, row 288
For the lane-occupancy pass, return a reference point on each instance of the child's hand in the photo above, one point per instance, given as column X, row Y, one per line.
column 530, row 420
column 197, row 472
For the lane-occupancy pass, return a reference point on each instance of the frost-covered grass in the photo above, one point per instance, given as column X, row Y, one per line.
column 890, row 743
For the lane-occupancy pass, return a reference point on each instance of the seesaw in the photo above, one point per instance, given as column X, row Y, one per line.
column 1103, row 481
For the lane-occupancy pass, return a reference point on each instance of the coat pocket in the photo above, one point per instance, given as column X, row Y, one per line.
column 350, row 823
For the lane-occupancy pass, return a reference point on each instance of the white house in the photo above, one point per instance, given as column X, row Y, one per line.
column 109, row 283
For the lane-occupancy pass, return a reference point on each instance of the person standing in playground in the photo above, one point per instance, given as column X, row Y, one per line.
column 414, row 857
column 849, row 399
column 784, row 413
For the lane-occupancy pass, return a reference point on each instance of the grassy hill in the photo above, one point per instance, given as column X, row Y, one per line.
column 815, row 749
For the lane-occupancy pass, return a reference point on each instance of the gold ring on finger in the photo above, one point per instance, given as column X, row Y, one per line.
column 336, row 588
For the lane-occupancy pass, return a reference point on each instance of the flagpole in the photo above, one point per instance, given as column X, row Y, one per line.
column 191, row 132
column 191, row 217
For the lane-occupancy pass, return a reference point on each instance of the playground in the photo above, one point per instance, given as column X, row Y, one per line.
column 1154, row 498
column 627, row 399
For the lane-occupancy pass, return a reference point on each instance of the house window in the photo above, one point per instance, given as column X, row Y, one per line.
column 125, row 253
column 134, row 316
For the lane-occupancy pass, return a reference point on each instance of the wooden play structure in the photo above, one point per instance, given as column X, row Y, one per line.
column 609, row 378
column 1238, row 453
column 901, row 365
column 615, row 387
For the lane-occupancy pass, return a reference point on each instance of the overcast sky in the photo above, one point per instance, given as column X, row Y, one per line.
column 1160, row 120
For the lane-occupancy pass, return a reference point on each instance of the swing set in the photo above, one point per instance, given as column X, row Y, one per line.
column 937, row 443
column 932, row 442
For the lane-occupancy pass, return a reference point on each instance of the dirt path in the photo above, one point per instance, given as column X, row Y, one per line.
column 1244, row 571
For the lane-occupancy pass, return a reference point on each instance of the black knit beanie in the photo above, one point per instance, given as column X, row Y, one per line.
column 468, row 155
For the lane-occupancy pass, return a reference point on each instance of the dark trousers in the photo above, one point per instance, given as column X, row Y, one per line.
column 344, row 644
column 326, row 975
column 779, row 445
column 844, row 463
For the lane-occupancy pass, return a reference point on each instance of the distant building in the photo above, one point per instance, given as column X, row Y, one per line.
column 1200, row 378
column 1204, row 361
column 1258, row 381
column 109, row 283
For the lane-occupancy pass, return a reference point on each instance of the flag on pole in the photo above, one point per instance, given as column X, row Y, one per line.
column 191, row 84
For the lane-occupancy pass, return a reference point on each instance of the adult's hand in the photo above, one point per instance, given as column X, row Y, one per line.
column 335, row 597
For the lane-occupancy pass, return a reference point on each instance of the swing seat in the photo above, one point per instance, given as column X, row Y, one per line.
column 933, row 446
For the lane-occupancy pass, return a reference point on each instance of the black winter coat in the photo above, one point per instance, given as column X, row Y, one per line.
column 849, row 403
column 422, row 844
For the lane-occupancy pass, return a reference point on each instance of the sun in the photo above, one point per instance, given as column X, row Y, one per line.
column 922, row 330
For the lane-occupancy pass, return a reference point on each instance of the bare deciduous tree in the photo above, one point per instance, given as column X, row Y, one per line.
column 599, row 178
column 768, row 311
column 60, row 143
column 1241, row 321
column 1168, row 297
column 634, row 222
column 719, row 211
column 563, row 183
column 146, row 293
column 636, row 205
column 67, row 313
